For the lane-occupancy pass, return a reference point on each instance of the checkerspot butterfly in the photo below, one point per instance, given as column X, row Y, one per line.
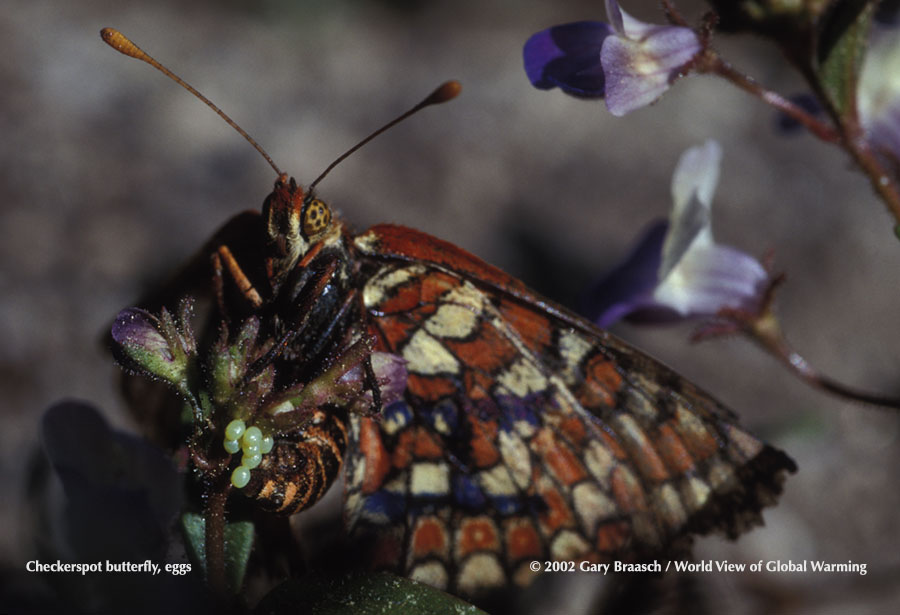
column 522, row 431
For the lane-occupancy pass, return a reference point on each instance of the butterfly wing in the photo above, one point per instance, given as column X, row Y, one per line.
column 526, row 433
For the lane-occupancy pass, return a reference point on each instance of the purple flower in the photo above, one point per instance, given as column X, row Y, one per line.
column 344, row 384
column 627, row 290
column 152, row 345
column 390, row 372
column 629, row 62
column 568, row 57
column 141, row 345
column 787, row 125
column 677, row 270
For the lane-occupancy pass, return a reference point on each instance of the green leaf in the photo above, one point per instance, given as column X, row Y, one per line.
column 360, row 594
column 194, row 527
column 841, row 46
column 238, row 543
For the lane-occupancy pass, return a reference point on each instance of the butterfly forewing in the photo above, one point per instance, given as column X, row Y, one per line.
column 525, row 433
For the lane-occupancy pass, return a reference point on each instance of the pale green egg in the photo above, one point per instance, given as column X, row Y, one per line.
column 234, row 429
column 252, row 436
column 240, row 477
column 251, row 461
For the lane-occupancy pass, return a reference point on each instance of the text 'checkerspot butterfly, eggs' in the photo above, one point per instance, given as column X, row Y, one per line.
column 521, row 431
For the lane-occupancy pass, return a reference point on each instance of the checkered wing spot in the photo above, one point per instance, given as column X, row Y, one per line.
column 526, row 433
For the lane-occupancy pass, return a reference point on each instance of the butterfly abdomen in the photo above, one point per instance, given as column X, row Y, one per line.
column 301, row 467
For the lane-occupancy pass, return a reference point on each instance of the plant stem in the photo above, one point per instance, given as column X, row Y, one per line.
column 847, row 134
column 713, row 63
column 882, row 181
column 215, row 535
column 767, row 333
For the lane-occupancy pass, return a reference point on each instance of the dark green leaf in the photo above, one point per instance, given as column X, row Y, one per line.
column 360, row 594
column 842, row 40
column 121, row 492
column 238, row 543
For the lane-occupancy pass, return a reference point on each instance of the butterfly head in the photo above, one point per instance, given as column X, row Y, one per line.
column 295, row 221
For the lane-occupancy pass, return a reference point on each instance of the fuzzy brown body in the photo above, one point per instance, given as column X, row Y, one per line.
column 302, row 465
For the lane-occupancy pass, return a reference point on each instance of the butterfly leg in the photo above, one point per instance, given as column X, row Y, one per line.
column 372, row 384
column 193, row 278
column 224, row 261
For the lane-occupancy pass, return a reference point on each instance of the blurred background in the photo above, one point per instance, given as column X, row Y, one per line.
column 111, row 176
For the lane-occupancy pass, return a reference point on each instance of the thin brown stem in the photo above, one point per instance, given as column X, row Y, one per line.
column 215, row 535
column 848, row 136
column 767, row 333
column 673, row 15
column 710, row 62
column 882, row 180
column 713, row 63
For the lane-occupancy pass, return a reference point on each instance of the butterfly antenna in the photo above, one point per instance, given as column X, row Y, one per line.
column 122, row 44
column 445, row 92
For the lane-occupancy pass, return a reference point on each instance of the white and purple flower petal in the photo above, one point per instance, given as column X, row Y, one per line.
column 693, row 275
column 711, row 278
column 630, row 63
column 642, row 60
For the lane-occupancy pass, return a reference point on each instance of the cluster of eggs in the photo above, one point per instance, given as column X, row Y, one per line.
column 250, row 440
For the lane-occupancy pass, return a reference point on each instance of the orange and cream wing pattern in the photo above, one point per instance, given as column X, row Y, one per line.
column 525, row 433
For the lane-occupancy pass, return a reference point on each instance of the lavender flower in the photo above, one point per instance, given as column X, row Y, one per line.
column 390, row 370
column 629, row 62
column 677, row 270
column 145, row 343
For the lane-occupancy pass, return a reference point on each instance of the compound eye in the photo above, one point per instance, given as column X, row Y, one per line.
column 316, row 217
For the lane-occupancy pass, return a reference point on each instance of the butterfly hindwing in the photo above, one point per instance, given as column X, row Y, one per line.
column 525, row 433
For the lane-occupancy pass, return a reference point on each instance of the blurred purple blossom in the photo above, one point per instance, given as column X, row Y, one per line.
column 390, row 370
column 568, row 57
column 391, row 374
column 629, row 62
column 677, row 271
column 137, row 329
column 143, row 342
column 788, row 125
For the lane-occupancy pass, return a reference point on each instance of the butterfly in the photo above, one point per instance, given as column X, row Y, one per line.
column 520, row 433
